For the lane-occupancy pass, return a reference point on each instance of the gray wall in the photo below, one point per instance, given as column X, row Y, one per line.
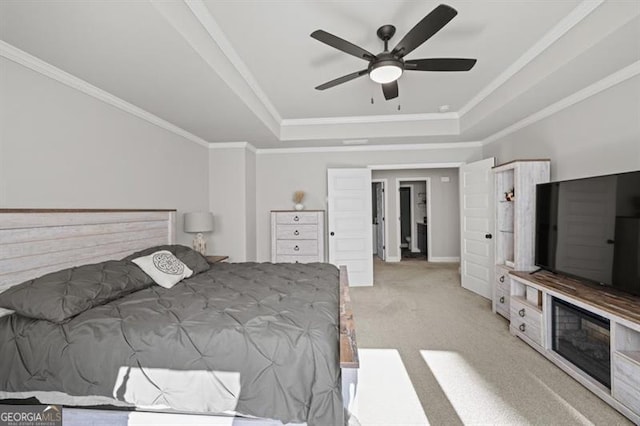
column 444, row 223
column 60, row 148
column 279, row 175
column 599, row 135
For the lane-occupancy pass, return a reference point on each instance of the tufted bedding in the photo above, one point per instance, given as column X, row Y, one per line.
column 253, row 339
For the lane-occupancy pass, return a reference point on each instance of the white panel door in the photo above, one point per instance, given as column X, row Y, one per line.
column 476, row 222
column 349, row 217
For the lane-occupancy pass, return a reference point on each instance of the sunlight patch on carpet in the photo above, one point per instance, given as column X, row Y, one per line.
column 577, row 415
column 385, row 395
column 474, row 400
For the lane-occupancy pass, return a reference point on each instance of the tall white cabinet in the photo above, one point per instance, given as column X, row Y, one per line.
column 297, row 236
column 515, row 196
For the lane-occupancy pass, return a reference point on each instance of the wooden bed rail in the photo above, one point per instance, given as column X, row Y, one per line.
column 348, row 347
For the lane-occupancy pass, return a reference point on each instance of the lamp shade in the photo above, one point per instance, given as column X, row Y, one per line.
column 198, row 222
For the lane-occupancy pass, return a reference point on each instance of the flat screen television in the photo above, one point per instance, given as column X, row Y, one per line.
column 590, row 229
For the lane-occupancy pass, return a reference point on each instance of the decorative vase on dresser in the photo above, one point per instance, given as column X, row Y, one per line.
column 297, row 236
column 515, row 189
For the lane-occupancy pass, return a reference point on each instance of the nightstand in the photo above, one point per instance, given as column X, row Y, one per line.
column 216, row 259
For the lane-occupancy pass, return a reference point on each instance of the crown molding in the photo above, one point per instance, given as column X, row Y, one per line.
column 21, row 57
column 371, row 148
column 233, row 145
column 581, row 11
column 591, row 90
column 369, row 119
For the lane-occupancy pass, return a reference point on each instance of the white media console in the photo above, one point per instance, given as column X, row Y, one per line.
column 540, row 321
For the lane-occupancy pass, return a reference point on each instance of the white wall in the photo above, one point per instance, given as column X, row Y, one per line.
column 279, row 175
column 232, row 202
column 599, row 135
column 60, row 148
column 444, row 223
column 250, row 196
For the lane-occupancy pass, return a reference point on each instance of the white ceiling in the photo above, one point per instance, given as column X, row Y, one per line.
column 230, row 71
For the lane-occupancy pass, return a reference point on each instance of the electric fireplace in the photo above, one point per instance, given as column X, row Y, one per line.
column 582, row 338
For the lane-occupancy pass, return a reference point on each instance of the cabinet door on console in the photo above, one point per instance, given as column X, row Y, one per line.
column 502, row 292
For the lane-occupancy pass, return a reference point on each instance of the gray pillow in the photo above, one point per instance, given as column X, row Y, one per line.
column 194, row 260
column 63, row 294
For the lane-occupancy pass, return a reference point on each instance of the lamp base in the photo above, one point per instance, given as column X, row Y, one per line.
column 199, row 244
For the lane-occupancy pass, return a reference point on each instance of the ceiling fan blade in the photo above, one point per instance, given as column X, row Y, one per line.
column 425, row 29
column 341, row 80
column 440, row 64
column 342, row 45
column 390, row 90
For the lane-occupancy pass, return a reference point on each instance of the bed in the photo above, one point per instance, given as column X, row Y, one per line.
column 269, row 341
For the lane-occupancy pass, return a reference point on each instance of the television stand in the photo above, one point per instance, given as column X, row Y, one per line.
column 532, row 320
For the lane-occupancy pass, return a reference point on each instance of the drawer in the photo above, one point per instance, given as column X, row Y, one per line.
column 502, row 279
column 296, row 259
column 293, row 218
column 503, row 302
column 297, row 247
column 526, row 320
column 296, row 232
column 626, row 382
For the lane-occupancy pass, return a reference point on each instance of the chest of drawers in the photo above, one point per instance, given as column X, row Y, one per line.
column 297, row 236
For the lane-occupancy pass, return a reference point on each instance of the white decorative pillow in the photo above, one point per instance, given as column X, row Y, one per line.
column 164, row 268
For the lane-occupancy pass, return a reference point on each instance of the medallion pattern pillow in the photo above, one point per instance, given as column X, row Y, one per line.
column 164, row 268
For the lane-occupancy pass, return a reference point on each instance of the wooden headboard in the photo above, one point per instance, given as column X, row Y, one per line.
column 34, row 242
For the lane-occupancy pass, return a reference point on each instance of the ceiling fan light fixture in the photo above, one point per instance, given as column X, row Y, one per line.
column 385, row 72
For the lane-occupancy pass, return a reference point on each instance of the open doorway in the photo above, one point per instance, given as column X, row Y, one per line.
column 379, row 208
column 439, row 237
column 413, row 201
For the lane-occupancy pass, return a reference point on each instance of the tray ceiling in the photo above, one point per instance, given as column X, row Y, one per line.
column 245, row 71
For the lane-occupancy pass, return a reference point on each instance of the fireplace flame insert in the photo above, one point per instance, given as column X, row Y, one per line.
column 583, row 338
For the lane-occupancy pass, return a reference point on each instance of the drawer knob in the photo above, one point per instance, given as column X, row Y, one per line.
column 502, row 299
column 296, row 232
column 296, row 218
column 296, row 248
column 522, row 327
column 502, row 278
column 521, row 312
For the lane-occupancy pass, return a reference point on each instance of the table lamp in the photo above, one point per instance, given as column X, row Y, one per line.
column 198, row 222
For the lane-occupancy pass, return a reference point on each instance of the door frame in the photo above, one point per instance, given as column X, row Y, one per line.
column 411, row 216
column 385, row 185
column 427, row 181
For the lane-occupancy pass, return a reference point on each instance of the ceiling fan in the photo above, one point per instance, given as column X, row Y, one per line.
column 387, row 67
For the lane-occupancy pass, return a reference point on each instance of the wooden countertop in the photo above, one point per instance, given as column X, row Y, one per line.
column 348, row 347
column 615, row 302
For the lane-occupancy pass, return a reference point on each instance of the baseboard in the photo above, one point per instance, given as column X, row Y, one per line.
column 415, row 250
column 444, row 259
column 392, row 259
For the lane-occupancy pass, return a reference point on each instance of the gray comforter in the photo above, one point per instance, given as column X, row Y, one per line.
column 261, row 338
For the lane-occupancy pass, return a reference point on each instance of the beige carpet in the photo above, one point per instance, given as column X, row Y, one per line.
column 464, row 365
